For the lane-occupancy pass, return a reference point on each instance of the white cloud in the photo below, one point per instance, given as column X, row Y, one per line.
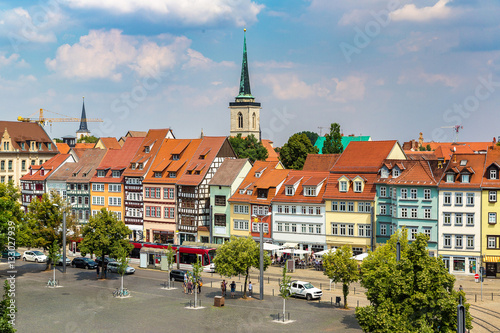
column 13, row 59
column 108, row 54
column 410, row 12
column 286, row 86
column 199, row 12
column 38, row 25
column 417, row 76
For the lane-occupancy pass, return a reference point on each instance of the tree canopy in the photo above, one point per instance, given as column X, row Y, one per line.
column 340, row 267
column 333, row 141
column 105, row 235
column 45, row 220
column 312, row 136
column 293, row 153
column 88, row 139
column 248, row 147
column 7, row 309
column 237, row 257
column 11, row 215
column 413, row 295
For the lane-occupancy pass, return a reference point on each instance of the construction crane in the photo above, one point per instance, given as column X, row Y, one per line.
column 44, row 121
column 456, row 128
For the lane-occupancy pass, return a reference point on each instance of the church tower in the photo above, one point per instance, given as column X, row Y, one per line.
column 245, row 112
column 83, row 130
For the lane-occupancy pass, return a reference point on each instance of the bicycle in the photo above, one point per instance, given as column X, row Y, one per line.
column 121, row 292
column 52, row 283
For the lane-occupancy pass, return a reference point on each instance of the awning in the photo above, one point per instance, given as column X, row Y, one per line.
column 295, row 251
column 271, row 247
column 360, row 257
column 491, row 258
column 321, row 253
column 291, row 245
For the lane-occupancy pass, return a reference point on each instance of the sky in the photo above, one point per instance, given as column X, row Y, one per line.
column 388, row 69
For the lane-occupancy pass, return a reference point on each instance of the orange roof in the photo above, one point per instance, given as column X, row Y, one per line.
column 307, row 178
column 153, row 140
column 320, row 162
column 269, row 178
column 110, row 143
column 272, row 155
column 47, row 168
column 420, row 155
column 24, row 133
column 216, row 144
column 413, row 172
column 164, row 160
column 332, row 187
column 492, row 161
column 84, row 145
column 62, row 147
column 444, row 152
column 464, row 163
column 363, row 156
column 118, row 159
column 474, row 146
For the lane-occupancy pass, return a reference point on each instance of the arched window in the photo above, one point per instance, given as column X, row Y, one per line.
column 240, row 120
column 253, row 120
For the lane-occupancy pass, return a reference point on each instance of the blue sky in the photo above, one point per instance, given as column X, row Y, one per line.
column 389, row 69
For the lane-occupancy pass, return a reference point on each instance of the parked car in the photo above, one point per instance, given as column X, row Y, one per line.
column 59, row 260
column 106, row 261
column 7, row 253
column 35, row 256
column 83, row 262
column 305, row 290
column 114, row 265
column 178, row 274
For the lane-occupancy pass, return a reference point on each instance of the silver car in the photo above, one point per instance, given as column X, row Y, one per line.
column 114, row 265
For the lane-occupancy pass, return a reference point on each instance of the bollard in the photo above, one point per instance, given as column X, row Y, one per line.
column 273, row 292
column 268, row 280
column 190, row 303
column 475, row 297
column 278, row 316
column 212, row 274
column 320, row 286
column 358, row 303
column 199, row 302
column 491, row 296
column 331, row 301
column 210, row 284
column 319, row 300
column 279, row 282
column 354, row 290
column 288, row 316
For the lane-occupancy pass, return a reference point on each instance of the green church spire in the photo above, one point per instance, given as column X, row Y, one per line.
column 245, row 78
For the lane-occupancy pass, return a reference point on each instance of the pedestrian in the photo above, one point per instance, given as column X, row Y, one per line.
column 185, row 282
column 97, row 270
column 223, row 286
column 190, row 287
column 461, row 289
column 200, row 283
column 233, row 288
column 250, row 289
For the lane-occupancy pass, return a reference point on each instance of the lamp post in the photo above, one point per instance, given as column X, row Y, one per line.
column 64, row 238
column 261, row 261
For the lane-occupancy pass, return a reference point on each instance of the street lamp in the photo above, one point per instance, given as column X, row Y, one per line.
column 261, row 261
column 64, row 238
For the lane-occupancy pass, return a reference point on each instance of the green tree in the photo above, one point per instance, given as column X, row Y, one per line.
column 237, row 257
column 122, row 259
column 293, row 153
column 333, row 141
column 53, row 255
column 7, row 309
column 169, row 256
column 285, row 288
column 413, row 295
column 248, row 147
column 88, row 139
column 197, row 269
column 11, row 218
column 45, row 220
column 57, row 140
column 105, row 235
column 312, row 136
column 340, row 267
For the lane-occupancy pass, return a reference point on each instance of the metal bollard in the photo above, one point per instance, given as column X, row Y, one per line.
column 475, row 297
column 268, row 280
column 331, row 301
column 190, row 304
column 273, row 292
column 288, row 316
column 358, row 303
column 354, row 290
column 491, row 296
column 210, row 284
column 320, row 286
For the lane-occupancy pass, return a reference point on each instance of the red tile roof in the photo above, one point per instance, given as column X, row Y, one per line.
column 272, row 155
column 21, row 132
column 320, row 162
column 83, row 170
column 110, row 143
column 48, row 168
column 363, row 156
column 493, row 160
column 333, row 192
column 63, row 147
column 413, row 172
column 474, row 146
column 306, row 178
column 475, row 162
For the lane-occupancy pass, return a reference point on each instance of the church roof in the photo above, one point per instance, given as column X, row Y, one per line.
column 83, row 121
column 245, row 78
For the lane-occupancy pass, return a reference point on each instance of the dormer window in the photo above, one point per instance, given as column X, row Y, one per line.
column 146, row 149
column 39, row 146
column 49, row 146
column 115, row 174
column 449, row 177
column 463, row 162
column 310, row 191
column 175, row 157
column 101, row 173
column 249, row 192
column 384, row 173
column 262, row 193
column 32, row 145
column 172, row 174
column 141, row 166
column 289, row 190
column 343, row 186
column 493, row 174
column 22, row 145
column 357, row 186
column 465, row 178
column 157, row 174
column 242, row 191
column 132, row 166
column 395, row 172
column 257, row 175
column 5, row 146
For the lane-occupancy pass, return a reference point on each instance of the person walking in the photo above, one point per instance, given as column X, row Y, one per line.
column 223, row 286
column 97, row 270
column 250, row 289
column 190, row 287
column 185, row 283
column 200, row 283
column 233, row 288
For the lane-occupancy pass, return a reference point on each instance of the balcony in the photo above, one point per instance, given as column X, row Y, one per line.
column 133, row 188
column 187, row 228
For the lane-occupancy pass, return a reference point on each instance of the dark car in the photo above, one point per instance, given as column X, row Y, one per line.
column 178, row 274
column 106, row 260
column 83, row 262
column 7, row 253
